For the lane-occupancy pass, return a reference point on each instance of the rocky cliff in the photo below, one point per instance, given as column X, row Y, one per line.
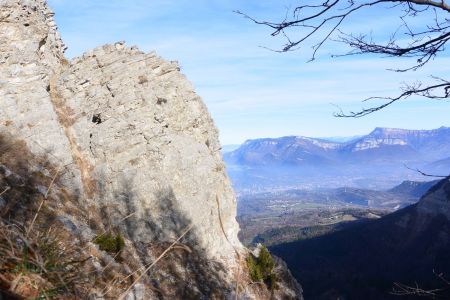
column 135, row 152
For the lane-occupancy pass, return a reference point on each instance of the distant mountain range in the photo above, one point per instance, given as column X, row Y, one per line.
column 377, row 160
column 365, row 260
column 441, row 167
column 340, row 139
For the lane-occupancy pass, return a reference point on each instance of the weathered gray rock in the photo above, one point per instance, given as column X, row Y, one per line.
column 30, row 52
column 153, row 134
column 130, row 137
column 141, row 135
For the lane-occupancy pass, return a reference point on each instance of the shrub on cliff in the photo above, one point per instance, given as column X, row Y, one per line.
column 261, row 268
column 110, row 243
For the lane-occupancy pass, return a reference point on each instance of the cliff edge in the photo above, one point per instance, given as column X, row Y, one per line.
column 123, row 138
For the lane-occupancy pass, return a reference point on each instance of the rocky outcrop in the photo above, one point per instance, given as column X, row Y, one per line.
column 132, row 143
column 115, row 119
column 134, row 121
column 30, row 52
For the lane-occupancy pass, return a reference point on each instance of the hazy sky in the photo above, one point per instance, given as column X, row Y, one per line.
column 252, row 92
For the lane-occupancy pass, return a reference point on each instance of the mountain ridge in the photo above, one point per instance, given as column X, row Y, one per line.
column 375, row 131
column 392, row 136
column 378, row 157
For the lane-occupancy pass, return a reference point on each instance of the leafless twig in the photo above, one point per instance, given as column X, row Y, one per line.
column 321, row 22
column 423, row 173
column 124, row 294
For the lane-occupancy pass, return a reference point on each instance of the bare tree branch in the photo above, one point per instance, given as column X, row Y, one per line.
column 400, row 289
column 404, row 290
column 430, row 92
column 322, row 21
column 423, row 173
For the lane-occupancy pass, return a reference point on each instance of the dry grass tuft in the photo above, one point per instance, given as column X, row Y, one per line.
column 38, row 260
column 38, row 265
column 44, row 255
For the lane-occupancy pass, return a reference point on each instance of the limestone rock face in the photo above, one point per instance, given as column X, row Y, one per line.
column 131, row 141
column 116, row 119
column 140, row 134
column 30, row 52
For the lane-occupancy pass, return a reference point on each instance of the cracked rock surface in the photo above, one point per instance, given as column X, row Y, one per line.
column 114, row 118
column 135, row 124
column 128, row 134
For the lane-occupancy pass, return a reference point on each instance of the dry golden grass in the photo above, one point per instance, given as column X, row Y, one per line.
column 38, row 263
column 35, row 259
column 41, row 257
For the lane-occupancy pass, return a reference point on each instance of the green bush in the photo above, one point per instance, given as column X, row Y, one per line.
column 261, row 268
column 109, row 242
column 254, row 268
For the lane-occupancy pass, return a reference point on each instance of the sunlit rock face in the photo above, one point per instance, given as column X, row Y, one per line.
column 30, row 53
column 135, row 149
column 135, row 124
column 115, row 118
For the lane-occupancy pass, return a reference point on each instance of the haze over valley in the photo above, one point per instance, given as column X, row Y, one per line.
column 379, row 160
column 292, row 181
column 186, row 149
column 317, row 203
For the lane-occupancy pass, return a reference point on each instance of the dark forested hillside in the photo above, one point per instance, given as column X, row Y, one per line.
column 365, row 261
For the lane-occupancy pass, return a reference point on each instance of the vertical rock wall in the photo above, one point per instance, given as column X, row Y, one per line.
column 127, row 127
column 30, row 52
column 133, row 144
column 140, row 134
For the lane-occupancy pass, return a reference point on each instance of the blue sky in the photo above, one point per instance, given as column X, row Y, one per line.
column 252, row 92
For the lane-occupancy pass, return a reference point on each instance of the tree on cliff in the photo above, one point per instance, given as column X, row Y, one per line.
column 322, row 21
